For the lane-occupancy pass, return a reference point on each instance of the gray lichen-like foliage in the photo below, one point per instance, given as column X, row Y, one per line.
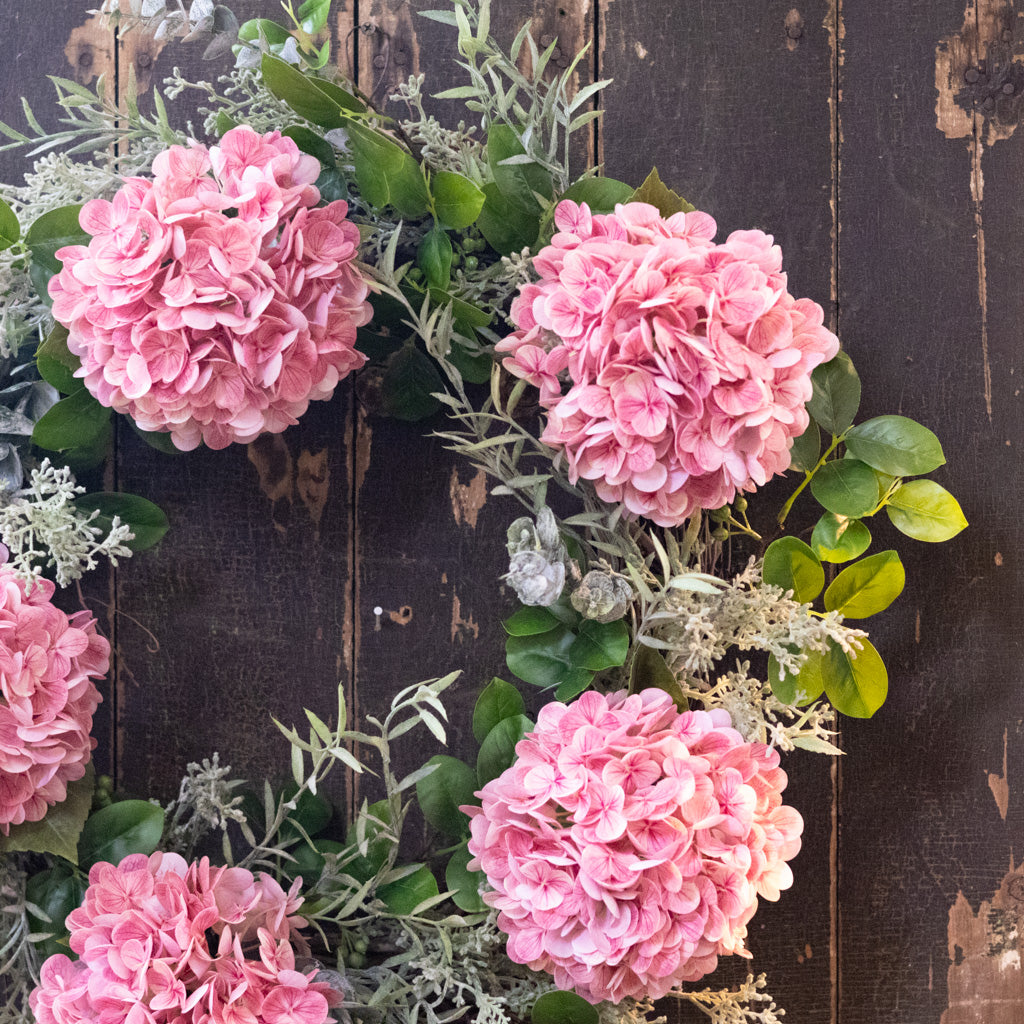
column 602, row 596
column 43, row 528
column 206, row 802
column 537, row 559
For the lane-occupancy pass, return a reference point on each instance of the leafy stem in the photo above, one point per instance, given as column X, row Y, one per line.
column 809, row 475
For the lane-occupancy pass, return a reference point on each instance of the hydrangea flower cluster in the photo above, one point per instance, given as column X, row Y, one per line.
column 629, row 842
column 47, row 698
column 689, row 362
column 143, row 937
column 215, row 302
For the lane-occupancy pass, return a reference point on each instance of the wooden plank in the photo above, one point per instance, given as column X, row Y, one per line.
column 249, row 595
column 930, row 308
column 731, row 101
column 73, row 46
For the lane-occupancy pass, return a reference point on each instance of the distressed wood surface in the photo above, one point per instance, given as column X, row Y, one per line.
column 881, row 152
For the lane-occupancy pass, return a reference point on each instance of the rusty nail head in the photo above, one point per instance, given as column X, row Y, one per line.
column 380, row 61
column 144, row 60
column 795, row 31
column 85, row 59
column 971, row 75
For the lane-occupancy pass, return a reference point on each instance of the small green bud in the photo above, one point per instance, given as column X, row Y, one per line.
column 360, row 945
column 719, row 515
column 740, row 504
column 720, row 533
column 456, row 258
column 356, row 960
column 472, row 263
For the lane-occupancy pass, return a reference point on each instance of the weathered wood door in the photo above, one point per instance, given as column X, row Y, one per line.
column 877, row 142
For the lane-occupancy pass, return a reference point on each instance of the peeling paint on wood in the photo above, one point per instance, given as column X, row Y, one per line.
column 462, row 627
column 794, row 26
column 313, row 481
column 1000, row 784
column 985, row 981
column 273, row 461
column 90, row 52
column 389, row 51
column 138, row 52
column 467, row 499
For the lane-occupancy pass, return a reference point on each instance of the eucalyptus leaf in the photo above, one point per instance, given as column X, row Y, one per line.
column 573, row 683
column 835, row 396
column 519, row 179
column 56, row 363
column 449, row 786
column 895, row 445
column 499, row 700
column 789, row 563
column 807, row 685
column 56, row 892
column 847, row 487
column 925, row 511
column 867, row 587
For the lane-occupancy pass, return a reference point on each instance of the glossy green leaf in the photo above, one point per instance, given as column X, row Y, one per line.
column 856, row 686
column 56, row 363
column 798, row 689
column 313, row 15
column 650, row 670
column 405, row 895
column 499, row 700
column 530, row 620
column 450, row 785
column 573, row 683
column 563, row 1008
column 224, row 123
column 156, row 439
column 542, row 659
column 847, row 487
column 408, row 385
column 111, row 834
column 386, row 174
column 310, row 860
column 600, row 194
column 73, row 422
column 10, row 229
column 806, row 449
column 836, row 394
column 475, row 368
column 434, row 258
column 498, row 750
column 599, row 645
column 506, row 227
column 895, row 445
column 363, row 868
column 789, row 563
column 925, row 511
column 312, row 813
column 517, row 181
column 56, row 891
column 310, row 142
column 92, row 454
column 52, row 231
column 463, row 883
column 147, row 521
column 839, row 538
column 867, row 587
column 274, row 34
column 59, row 829
column 655, row 192
column 457, row 200
column 311, row 98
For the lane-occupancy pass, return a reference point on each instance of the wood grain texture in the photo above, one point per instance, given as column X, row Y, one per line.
column 735, row 110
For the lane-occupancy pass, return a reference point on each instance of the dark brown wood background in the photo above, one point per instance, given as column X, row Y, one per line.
column 877, row 142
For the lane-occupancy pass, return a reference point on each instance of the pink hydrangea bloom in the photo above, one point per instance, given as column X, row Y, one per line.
column 629, row 842
column 47, row 698
column 215, row 301
column 688, row 362
column 161, row 941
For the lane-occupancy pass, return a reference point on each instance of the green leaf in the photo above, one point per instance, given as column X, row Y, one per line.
column 505, row 226
column 498, row 750
column 563, row 1008
column 310, row 142
column 463, row 883
column 331, row 185
column 362, row 869
column 10, row 229
column 573, row 684
column 895, row 445
column 789, row 563
column 386, row 174
column 517, row 181
column 408, row 385
column 542, row 659
column 111, row 834
column 73, row 422
column 839, row 539
column 56, row 363
column 806, row 450
column 405, row 895
column 600, row 194
column 650, row 670
column 147, row 521
column 56, row 891
column 312, row 15
column 59, row 829
column 274, row 34
column 925, row 511
column 867, row 587
column 847, row 487
column 91, row 455
column 529, row 620
column 450, row 785
column 655, row 192
column 40, row 277
column 599, row 645
column 224, row 123
column 311, row 98
column 475, row 367
column 156, row 439
column 312, row 813
column 434, row 258
column 310, row 861
column 457, row 200
column 498, row 701
column 836, row 394
column 856, row 686
column 52, row 231
column 798, row 689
